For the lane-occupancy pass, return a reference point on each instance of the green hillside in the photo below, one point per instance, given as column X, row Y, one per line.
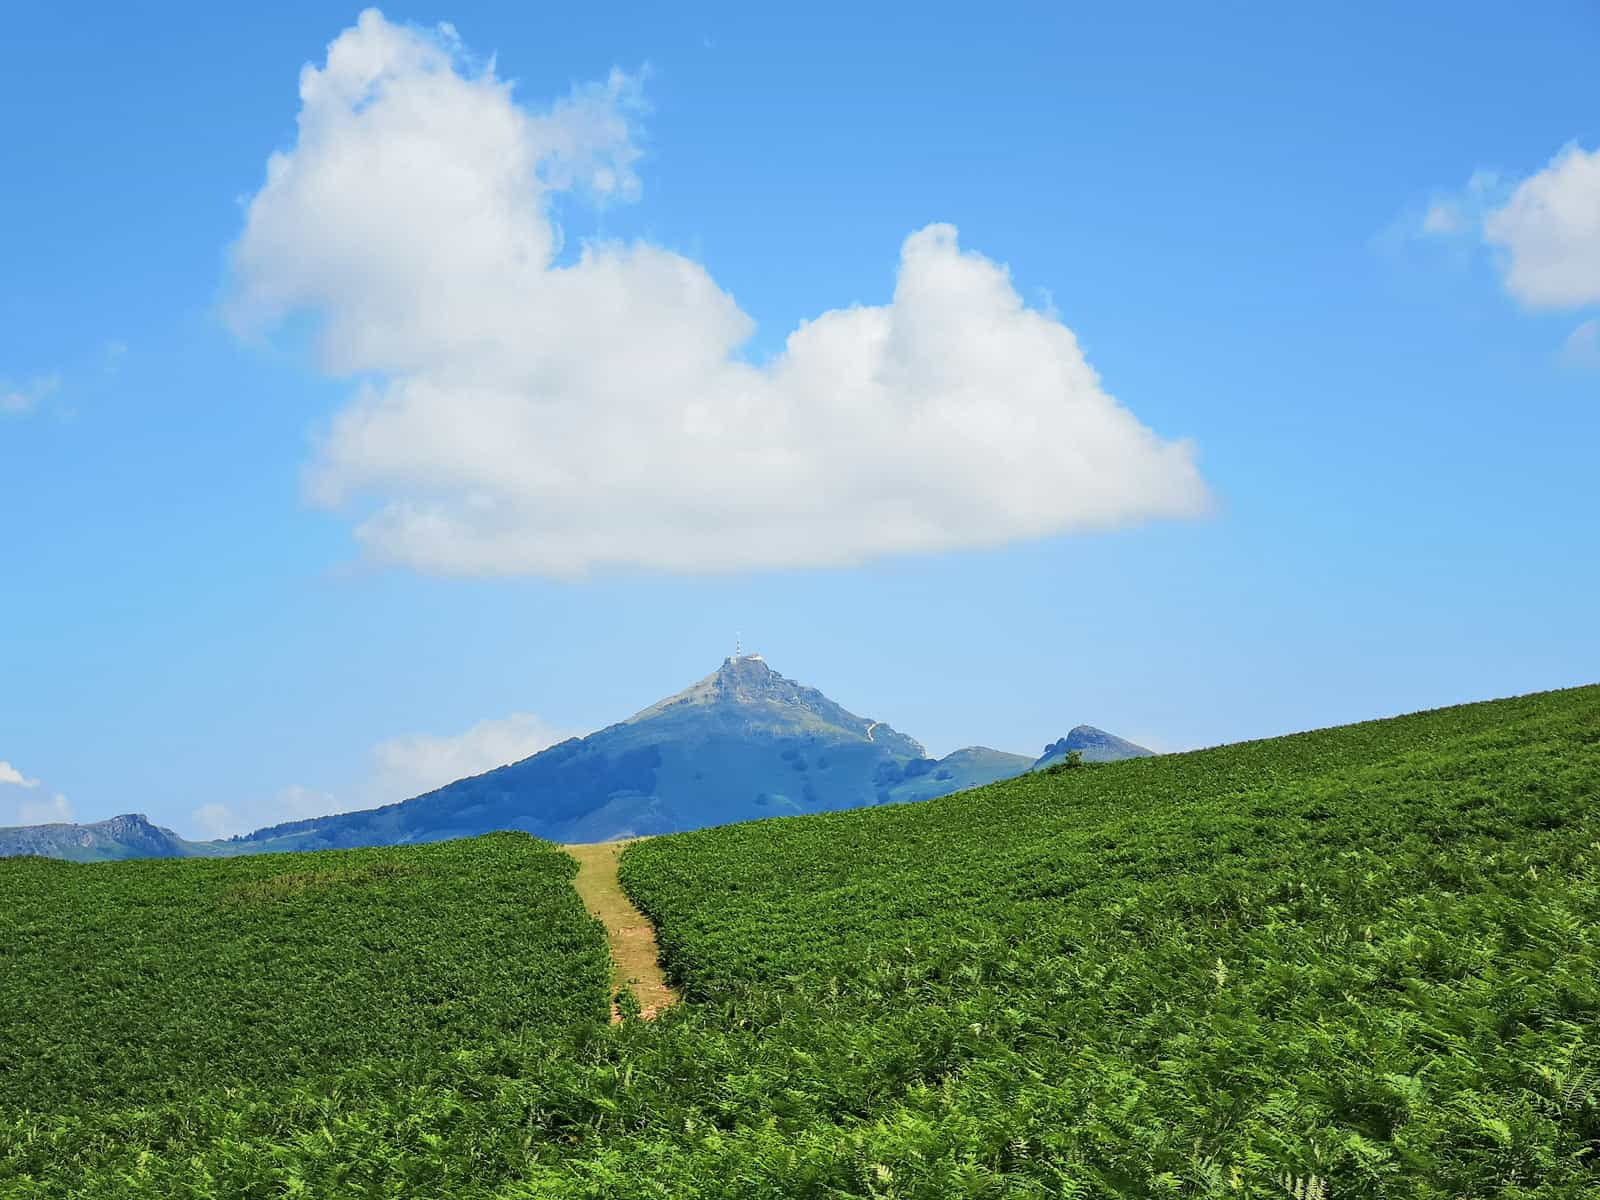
column 142, row 981
column 1366, row 956
column 1354, row 963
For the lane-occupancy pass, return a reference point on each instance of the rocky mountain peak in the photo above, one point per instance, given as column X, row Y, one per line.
column 130, row 835
column 747, row 677
column 1096, row 745
column 126, row 823
column 745, row 692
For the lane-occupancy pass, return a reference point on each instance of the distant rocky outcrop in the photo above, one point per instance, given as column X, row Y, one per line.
column 1096, row 746
column 128, row 836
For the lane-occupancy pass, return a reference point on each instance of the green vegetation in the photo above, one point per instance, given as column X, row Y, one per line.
column 1365, row 956
column 1359, row 963
column 1070, row 761
column 141, row 981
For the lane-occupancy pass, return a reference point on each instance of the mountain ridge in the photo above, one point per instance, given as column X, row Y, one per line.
column 742, row 743
column 127, row 835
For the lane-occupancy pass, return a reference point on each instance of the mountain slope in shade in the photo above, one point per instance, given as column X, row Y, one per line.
column 128, row 836
column 1096, row 746
column 742, row 743
column 957, row 771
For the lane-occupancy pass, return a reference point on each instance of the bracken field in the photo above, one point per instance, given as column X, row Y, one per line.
column 137, row 981
column 1362, row 962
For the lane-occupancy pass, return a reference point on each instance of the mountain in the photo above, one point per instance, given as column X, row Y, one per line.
column 1096, row 746
column 923, row 779
column 128, row 836
column 744, row 742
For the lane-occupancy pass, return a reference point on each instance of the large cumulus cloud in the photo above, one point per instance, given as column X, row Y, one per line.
column 517, row 410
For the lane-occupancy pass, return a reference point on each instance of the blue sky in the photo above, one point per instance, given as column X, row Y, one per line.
column 1337, row 275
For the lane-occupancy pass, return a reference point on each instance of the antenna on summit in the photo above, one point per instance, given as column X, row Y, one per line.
column 737, row 649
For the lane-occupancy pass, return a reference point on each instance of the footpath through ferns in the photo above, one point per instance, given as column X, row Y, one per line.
column 636, row 970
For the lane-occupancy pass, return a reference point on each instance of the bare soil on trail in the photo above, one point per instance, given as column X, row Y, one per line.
column 631, row 936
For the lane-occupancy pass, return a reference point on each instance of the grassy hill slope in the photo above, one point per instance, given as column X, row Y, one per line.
column 1362, row 960
column 1366, row 955
column 144, row 981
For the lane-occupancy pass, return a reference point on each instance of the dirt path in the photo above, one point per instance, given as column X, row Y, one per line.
column 632, row 938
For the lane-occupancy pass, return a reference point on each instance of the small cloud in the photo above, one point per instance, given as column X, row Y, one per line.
column 419, row 762
column 1443, row 219
column 400, row 768
column 10, row 774
column 293, row 803
column 1542, row 232
column 214, row 820
column 1549, row 231
column 19, row 398
column 1582, row 347
column 31, row 811
column 1460, row 213
column 53, row 811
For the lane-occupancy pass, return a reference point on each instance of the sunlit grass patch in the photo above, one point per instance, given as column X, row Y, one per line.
column 291, row 884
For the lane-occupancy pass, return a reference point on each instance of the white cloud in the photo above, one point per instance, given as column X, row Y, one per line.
column 19, row 398
column 1550, row 233
column 293, row 803
column 1544, row 229
column 56, row 810
column 30, row 811
column 1443, row 218
column 1455, row 214
column 398, row 769
column 524, row 414
column 1582, row 347
column 215, row 821
column 10, row 774
column 408, row 766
